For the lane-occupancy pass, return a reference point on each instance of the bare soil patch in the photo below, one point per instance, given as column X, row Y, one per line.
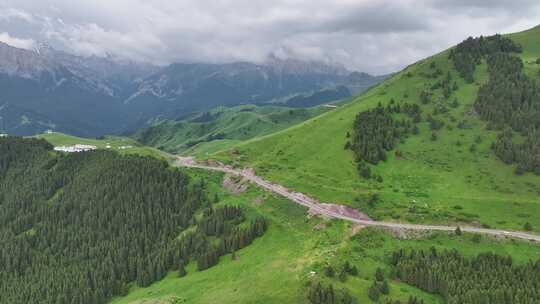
column 346, row 211
column 405, row 234
column 235, row 184
column 258, row 200
column 355, row 228
column 319, row 226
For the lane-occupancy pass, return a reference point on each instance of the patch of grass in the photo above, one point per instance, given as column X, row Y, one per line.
column 211, row 147
column 115, row 142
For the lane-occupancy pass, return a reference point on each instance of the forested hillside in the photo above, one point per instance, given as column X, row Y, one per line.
column 78, row 228
column 486, row 278
column 306, row 259
column 509, row 102
column 452, row 138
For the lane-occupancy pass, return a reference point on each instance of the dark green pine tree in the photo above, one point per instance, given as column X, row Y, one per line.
column 379, row 275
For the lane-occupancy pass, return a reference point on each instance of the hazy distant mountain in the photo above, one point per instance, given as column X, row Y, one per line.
column 186, row 87
column 64, row 94
column 49, row 89
column 104, row 74
column 115, row 76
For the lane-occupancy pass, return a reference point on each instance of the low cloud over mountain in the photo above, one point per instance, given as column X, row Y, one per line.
column 372, row 36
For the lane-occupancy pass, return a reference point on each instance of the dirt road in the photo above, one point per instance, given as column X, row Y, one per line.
column 317, row 207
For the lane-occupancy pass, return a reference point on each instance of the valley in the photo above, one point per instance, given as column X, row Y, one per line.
column 222, row 128
column 258, row 164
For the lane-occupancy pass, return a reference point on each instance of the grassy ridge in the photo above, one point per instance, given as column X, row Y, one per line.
column 115, row 142
column 433, row 181
column 222, row 128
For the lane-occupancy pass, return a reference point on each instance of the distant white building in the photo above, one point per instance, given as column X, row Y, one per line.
column 75, row 148
column 3, row 135
column 49, row 132
column 125, row 147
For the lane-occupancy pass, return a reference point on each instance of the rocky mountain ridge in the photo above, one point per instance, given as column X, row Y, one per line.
column 91, row 96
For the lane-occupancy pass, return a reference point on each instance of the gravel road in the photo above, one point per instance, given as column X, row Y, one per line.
column 316, row 206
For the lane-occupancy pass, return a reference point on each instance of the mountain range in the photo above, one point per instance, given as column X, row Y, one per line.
column 46, row 89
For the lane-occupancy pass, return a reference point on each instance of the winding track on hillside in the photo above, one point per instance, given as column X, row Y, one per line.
column 317, row 207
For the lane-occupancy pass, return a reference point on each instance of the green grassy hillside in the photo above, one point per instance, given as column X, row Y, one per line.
column 432, row 181
column 277, row 267
column 222, row 128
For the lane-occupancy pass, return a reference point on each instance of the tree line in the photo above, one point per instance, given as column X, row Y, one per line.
column 486, row 278
column 469, row 53
column 509, row 101
column 378, row 130
column 320, row 293
column 79, row 228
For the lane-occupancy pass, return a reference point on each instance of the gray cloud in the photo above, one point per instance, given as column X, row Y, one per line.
column 487, row 4
column 392, row 17
column 373, row 36
column 10, row 13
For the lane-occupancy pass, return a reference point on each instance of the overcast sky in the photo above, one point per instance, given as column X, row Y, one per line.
column 372, row 36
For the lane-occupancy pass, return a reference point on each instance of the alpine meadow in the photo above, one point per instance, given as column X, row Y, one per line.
column 307, row 152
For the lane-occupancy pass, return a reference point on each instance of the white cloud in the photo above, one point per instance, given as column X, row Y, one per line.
column 13, row 13
column 17, row 42
column 374, row 36
column 91, row 39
